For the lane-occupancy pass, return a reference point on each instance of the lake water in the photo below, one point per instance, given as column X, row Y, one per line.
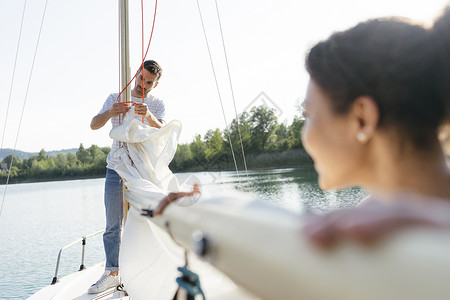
column 38, row 219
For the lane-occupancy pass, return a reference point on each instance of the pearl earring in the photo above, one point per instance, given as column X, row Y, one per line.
column 361, row 137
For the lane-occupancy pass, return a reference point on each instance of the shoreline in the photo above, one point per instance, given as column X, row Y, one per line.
column 260, row 162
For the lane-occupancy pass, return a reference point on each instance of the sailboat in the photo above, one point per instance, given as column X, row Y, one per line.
column 232, row 246
column 241, row 248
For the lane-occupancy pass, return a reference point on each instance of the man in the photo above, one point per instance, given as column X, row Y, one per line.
column 152, row 110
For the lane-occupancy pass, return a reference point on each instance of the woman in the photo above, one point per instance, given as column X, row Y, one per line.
column 377, row 96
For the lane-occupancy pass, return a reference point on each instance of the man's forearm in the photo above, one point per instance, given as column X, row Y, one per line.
column 100, row 120
column 153, row 121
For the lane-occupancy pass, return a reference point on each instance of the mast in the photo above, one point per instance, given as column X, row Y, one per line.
column 124, row 50
column 125, row 70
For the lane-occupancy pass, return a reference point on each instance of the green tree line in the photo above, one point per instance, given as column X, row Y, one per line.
column 90, row 162
column 266, row 143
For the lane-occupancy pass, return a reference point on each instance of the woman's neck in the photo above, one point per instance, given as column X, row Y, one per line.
column 411, row 170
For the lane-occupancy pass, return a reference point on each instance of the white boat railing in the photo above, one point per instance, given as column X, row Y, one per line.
column 83, row 243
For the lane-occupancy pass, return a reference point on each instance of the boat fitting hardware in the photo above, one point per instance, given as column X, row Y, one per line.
column 200, row 243
column 147, row 212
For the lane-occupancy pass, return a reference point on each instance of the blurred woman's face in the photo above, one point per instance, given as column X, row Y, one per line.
column 330, row 140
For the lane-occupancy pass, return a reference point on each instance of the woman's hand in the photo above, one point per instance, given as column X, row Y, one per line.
column 374, row 220
column 172, row 197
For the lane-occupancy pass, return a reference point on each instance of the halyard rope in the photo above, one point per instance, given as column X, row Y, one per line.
column 148, row 46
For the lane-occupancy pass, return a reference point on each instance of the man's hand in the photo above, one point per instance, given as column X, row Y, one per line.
column 142, row 110
column 100, row 120
column 119, row 108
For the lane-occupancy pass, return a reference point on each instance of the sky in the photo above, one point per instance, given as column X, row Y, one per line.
column 77, row 61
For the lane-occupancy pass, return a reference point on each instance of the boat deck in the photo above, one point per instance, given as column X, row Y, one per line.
column 75, row 286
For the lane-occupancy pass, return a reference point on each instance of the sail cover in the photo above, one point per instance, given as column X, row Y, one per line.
column 148, row 259
column 145, row 158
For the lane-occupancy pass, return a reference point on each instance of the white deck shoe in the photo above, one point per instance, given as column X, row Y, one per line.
column 105, row 282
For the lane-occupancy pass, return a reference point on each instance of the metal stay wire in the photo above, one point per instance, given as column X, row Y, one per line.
column 24, row 104
column 232, row 91
column 13, row 75
column 218, row 90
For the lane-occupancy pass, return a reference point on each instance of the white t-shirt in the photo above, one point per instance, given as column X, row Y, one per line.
column 155, row 105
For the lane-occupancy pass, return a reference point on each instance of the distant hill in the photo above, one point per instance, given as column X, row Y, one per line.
column 21, row 154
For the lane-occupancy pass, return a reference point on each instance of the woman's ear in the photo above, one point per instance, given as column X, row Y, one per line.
column 367, row 115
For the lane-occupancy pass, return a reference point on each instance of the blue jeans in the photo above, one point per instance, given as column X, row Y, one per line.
column 114, row 217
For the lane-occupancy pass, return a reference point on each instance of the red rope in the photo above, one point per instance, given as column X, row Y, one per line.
column 142, row 46
column 118, row 48
column 120, row 209
column 104, row 295
column 148, row 47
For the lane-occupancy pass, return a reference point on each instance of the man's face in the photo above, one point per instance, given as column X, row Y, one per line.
column 145, row 82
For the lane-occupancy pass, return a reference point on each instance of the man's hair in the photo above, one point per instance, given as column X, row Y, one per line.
column 154, row 68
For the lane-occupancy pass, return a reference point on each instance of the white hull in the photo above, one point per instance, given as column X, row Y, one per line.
column 261, row 249
column 149, row 261
column 261, row 254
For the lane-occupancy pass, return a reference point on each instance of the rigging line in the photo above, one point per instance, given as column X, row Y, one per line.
column 14, row 73
column 217, row 87
column 146, row 52
column 232, row 91
column 24, row 104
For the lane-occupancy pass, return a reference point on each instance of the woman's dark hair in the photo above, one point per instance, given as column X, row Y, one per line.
column 403, row 67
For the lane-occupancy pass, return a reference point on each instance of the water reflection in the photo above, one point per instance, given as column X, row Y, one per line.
column 295, row 189
column 40, row 218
